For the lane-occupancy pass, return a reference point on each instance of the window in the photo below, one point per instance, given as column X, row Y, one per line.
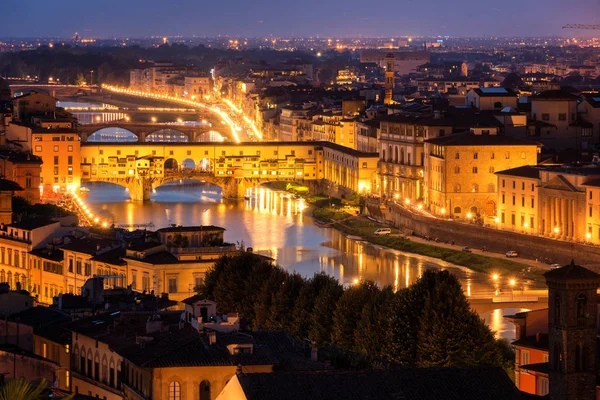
column 503, row 198
column 70, row 265
column 56, row 149
column 38, row 149
column 581, row 306
column 55, row 160
column 474, row 170
column 172, row 284
column 522, row 201
column 544, row 387
column 514, row 185
column 524, row 357
column 205, row 390
column 503, row 182
column 475, row 156
column 491, row 170
column 512, row 219
column 545, row 117
column 533, row 187
column 457, row 170
column 457, row 156
column 591, row 195
column 364, row 165
column 514, row 200
column 457, row 188
column 502, row 217
column 174, row 391
column 457, row 210
column 562, row 117
column 531, row 222
column 522, row 155
column 532, row 202
column 70, row 160
column 70, row 148
column 591, row 211
column 507, row 155
column 580, row 358
column 493, row 156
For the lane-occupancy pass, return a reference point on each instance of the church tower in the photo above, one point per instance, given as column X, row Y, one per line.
column 572, row 321
column 389, row 78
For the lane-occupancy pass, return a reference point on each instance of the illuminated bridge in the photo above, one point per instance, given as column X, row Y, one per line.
column 144, row 131
column 235, row 167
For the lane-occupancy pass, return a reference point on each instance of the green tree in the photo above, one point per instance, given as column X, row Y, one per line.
column 20, row 389
column 265, row 299
column 370, row 334
column 322, row 314
column 283, row 302
column 80, row 81
column 347, row 312
column 5, row 94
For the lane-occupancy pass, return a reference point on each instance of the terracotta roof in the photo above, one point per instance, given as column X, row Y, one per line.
column 404, row 383
column 471, row 139
column 12, row 186
column 525, row 171
column 572, row 272
column 542, row 368
column 558, row 94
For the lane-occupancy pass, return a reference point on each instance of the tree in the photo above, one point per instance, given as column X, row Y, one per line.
column 5, row 94
column 283, row 302
column 20, row 389
column 80, row 81
column 370, row 334
column 322, row 315
column 345, row 317
column 265, row 299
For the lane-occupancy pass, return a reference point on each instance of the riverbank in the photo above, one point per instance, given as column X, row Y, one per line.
column 492, row 264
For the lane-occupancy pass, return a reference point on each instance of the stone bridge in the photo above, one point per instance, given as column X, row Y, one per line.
column 233, row 187
column 143, row 130
column 54, row 90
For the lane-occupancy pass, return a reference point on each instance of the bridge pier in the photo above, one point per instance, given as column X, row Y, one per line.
column 140, row 189
column 234, row 188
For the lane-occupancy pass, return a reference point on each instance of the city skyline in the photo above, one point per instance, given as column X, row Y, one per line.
column 300, row 19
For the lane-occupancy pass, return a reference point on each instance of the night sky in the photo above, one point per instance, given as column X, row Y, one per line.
column 254, row 18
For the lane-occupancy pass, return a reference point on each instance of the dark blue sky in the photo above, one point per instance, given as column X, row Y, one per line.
column 135, row 18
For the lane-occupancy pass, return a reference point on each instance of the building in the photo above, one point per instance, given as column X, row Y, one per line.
column 556, row 347
column 557, row 201
column 491, row 98
column 555, row 122
column 349, row 171
column 402, row 383
column 402, row 157
column 389, row 79
column 33, row 104
column 24, row 169
column 460, row 178
column 196, row 87
column 366, row 136
column 7, row 191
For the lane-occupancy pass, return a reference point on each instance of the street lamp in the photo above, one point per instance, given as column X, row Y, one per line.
column 512, row 283
column 443, row 211
column 469, row 215
column 153, row 119
column 407, row 201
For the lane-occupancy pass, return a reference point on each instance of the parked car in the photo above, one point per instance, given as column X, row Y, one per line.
column 554, row 266
column 467, row 249
column 383, row 231
column 512, row 254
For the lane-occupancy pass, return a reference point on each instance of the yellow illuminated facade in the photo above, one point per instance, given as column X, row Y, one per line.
column 460, row 171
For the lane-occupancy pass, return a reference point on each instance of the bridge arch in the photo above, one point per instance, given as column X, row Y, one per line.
column 171, row 165
column 167, row 135
column 188, row 164
column 113, row 134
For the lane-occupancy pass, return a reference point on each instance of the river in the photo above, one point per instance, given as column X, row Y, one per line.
column 281, row 227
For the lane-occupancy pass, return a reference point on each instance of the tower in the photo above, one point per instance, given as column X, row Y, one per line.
column 572, row 320
column 389, row 78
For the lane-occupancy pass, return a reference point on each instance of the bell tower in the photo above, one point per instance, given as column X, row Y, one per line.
column 389, row 78
column 572, row 321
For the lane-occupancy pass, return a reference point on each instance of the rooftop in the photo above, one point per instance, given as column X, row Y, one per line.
column 525, row 171
column 404, row 383
column 33, row 223
column 494, row 92
column 572, row 272
column 6, row 186
column 471, row 139
column 559, row 94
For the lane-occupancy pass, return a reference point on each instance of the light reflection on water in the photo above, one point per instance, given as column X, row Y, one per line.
column 279, row 226
column 502, row 328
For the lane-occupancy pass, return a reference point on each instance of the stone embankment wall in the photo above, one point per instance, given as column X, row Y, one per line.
column 528, row 246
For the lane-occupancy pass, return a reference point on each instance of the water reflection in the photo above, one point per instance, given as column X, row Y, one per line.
column 501, row 327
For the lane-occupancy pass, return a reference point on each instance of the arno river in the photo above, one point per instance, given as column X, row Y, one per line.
column 281, row 227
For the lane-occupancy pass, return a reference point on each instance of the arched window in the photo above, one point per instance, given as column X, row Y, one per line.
column 581, row 306
column 9, row 279
column 205, row 390
column 104, row 370
column 89, row 367
column 396, row 154
column 497, row 104
column 402, row 155
column 557, row 309
column 457, row 210
column 475, row 188
column 557, row 359
column 457, row 188
column 82, row 361
column 2, row 276
column 383, row 154
column 174, row 391
column 580, row 358
column 390, row 153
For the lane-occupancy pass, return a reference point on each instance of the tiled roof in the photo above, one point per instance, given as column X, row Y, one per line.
column 539, row 342
column 6, row 185
column 525, row 171
column 46, row 322
column 471, row 139
column 558, row 94
column 494, row 92
column 406, row 384
column 572, row 272
column 33, row 223
column 543, row 368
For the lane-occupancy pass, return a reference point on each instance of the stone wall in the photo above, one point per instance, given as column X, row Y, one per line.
column 476, row 236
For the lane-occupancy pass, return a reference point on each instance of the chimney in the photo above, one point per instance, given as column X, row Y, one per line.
column 212, row 338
